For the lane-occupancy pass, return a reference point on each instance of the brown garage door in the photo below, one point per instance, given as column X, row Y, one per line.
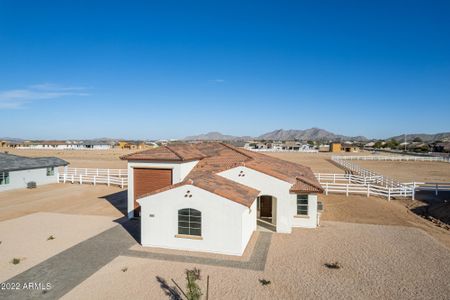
column 149, row 180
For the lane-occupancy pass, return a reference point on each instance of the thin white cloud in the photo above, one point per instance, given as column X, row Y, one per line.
column 13, row 99
column 217, row 80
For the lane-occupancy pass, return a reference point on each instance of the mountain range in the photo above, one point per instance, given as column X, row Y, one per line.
column 311, row 134
column 443, row 136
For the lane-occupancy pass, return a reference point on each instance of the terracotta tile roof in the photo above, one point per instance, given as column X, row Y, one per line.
column 217, row 157
column 182, row 152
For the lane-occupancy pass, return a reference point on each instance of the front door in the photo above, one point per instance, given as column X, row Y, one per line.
column 265, row 206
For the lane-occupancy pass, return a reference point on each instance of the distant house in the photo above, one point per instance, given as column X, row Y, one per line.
column 324, row 148
column 211, row 196
column 66, row 145
column 17, row 171
column 335, row 147
column 10, row 144
column 135, row 145
column 349, row 147
column 292, row 145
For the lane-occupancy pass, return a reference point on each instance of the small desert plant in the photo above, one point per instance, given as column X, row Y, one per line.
column 50, row 238
column 193, row 289
column 334, row 265
column 124, row 269
column 15, row 261
column 264, row 282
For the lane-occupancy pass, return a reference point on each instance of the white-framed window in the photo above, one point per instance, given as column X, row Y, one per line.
column 302, row 205
column 4, row 178
column 190, row 222
column 50, row 171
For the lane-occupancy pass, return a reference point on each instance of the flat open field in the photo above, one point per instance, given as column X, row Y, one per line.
column 318, row 162
column 64, row 198
column 104, row 159
column 409, row 171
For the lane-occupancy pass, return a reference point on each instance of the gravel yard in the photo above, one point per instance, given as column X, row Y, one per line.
column 27, row 238
column 409, row 171
column 378, row 262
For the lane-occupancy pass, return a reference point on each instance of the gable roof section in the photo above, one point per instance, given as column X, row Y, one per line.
column 10, row 162
column 184, row 152
column 216, row 157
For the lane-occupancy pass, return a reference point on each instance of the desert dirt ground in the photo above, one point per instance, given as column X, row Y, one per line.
column 409, row 171
column 34, row 245
column 104, row 159
column 378, row 262
column 64, row 198
column 318, row 162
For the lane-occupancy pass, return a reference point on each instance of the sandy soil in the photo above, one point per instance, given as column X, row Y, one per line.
column 408, row 171
column 63, row 198
column 378, row 262
column 81, row 158
column 374, row 210
column 318, row 162
column 26, row 238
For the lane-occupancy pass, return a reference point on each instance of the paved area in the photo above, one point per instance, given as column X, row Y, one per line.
column 256, row 262
column 69, row 268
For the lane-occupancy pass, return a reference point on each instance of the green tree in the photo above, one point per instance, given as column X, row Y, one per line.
column 417, row 140
column 378, row 144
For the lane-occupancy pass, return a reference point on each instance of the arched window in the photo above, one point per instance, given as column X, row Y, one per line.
column 189, row 221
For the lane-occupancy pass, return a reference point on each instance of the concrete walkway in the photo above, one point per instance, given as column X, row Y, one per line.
column 69, row 268
column 256, row 262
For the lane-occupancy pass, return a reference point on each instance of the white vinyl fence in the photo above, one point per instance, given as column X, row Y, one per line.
column 94, row 176
column 395, row 158
column 356, row 184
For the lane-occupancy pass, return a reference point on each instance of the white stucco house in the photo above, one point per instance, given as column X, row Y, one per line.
column 211, row 196
column 17, row 171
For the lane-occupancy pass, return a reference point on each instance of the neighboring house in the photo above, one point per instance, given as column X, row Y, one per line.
column 66, row 145
column 349, row 147
column 335, row 147
column 17, row 171
column 324, row 148
column 209, row 196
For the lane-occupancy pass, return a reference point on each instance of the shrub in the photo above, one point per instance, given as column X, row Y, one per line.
column 50, row 238
column 334, row 265
column 193, row 289
column 15, row 261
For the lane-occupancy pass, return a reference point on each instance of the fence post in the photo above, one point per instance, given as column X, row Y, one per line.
column 334, row 178
column 73, row 178
column 97, row 171
column 414, row 191
column 121, row 186
column 81, row 178
column 108, row 178
column 326, row 188
column 346, row 192
column 368, row 190
column 389, row 194
column 95, row 180
column 65, row 175
column 437, row 189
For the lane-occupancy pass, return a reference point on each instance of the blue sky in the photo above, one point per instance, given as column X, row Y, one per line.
column 89, row 69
